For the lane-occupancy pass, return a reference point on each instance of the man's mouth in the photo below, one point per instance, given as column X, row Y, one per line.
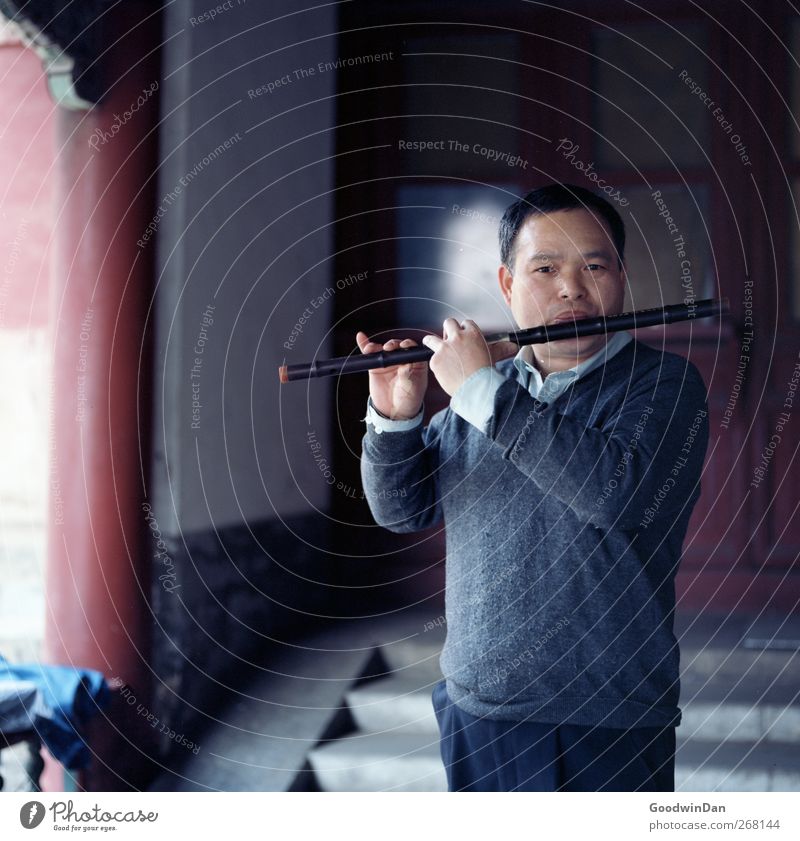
column 571, row 316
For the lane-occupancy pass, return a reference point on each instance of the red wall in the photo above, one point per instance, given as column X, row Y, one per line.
column 26, row 195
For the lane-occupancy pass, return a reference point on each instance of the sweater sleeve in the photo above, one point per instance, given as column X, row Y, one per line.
column 645, row 459
column 399, row 474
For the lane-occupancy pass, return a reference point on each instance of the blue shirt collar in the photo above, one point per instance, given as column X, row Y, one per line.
column 555, row 384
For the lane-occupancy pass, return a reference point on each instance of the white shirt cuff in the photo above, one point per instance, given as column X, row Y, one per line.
column 382, row 424
column 474, row 400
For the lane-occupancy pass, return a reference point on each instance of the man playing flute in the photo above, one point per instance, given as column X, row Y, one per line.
column 565, row 478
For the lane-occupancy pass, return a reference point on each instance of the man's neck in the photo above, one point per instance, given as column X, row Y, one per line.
column 550, row 364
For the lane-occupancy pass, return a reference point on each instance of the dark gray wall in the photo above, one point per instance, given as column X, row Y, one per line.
column 243, row 245
column 248, row 232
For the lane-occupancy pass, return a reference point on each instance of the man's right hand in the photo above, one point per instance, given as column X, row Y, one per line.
column 396, row 392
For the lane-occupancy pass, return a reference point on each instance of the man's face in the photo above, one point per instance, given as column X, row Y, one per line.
column 565, row 267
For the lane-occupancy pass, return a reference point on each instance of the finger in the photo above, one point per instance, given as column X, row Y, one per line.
column 502, row 350
column 450, row 327
column 364, row 343
column 433, row 342
column 403, row 370
column 412, row 368
column 470, row 328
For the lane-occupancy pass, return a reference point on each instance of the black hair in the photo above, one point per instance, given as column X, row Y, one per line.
column 550, row 199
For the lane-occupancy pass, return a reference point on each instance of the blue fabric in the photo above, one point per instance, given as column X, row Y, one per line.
column 68, row 699
column 482, row 754
column 19, row 703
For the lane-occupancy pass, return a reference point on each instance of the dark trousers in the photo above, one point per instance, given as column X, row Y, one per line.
column 484, row 755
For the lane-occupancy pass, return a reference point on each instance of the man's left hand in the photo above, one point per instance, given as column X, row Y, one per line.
column 460, row 352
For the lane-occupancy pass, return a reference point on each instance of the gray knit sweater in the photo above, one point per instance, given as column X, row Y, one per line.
column 564, row 527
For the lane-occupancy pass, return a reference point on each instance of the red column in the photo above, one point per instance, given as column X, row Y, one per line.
column 97, row 579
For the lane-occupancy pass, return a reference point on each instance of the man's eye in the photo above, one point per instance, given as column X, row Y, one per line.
column 595, row 267
column 544, row 269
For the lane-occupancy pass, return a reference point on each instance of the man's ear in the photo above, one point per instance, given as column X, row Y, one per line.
column 506, row 280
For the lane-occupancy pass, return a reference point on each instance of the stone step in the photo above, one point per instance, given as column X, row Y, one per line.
column 380, row 762
column 741, row 675
column 400, row 703
column 717, row 722
column 264, row 733
column 736, row 766
column 417, row 654
column 411, row 762
column 740, row 716
column 403, row 701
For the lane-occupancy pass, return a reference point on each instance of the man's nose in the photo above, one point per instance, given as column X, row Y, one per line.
column 573, row 284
